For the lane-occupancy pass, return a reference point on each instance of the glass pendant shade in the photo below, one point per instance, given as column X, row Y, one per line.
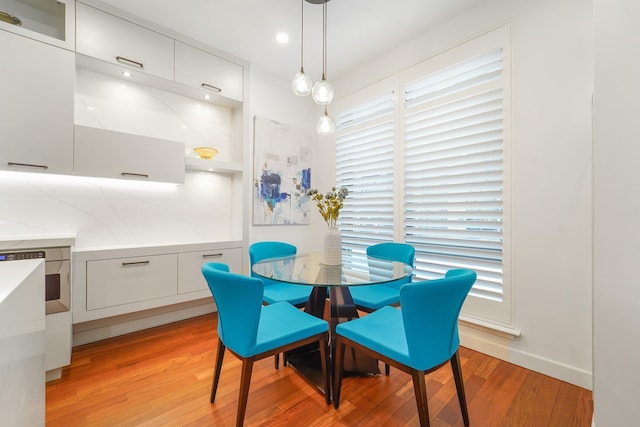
column 322, row 92
column 326, row 125
column 301, row 84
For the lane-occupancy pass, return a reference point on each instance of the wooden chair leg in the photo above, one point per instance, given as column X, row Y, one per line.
column 217, row 370
column 338, row 368
column 324, row 351
column 420, row 391
column 457, row 376
column 245, row 381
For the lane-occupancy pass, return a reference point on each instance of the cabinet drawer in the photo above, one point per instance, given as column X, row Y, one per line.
column 190, row 277
column 195, row 67
column 121, row 281
column 107, row 37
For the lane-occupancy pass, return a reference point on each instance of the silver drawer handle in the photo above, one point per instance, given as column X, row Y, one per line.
column 218, row 255
column 29, row 165
column 139, row 175
column 211, row 87
column 9, row 18
column 127, row 61
column 124, row 264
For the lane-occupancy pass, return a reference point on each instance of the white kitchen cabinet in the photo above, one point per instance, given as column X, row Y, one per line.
column 120, row 281
column 36, row 106
column 197, row 68
column 108, row 154
column 113, row 39
column 51, row 22
column 190, row 278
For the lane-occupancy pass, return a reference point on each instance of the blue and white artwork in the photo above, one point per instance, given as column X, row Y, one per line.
column 282, row 173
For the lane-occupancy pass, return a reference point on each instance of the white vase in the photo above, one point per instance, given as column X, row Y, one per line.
column 333, row 247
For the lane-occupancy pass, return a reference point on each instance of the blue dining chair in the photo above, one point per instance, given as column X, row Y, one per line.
column 252, row 331
column 275, row 291
column 417, row 338
column 369, row 298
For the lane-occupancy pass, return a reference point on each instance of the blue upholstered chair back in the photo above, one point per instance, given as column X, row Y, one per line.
column 430, row 311
column 263, row 250
column 239, row 302
column 393, row 251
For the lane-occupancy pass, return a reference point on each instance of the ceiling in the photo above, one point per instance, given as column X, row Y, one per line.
column 357, row 30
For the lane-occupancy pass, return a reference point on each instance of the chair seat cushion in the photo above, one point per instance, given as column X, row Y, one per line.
column 281, row 324
column 374, row 297
column 278, row 292
column 382, row 331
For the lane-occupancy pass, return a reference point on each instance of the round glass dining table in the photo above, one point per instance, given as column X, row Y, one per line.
column 332, row 281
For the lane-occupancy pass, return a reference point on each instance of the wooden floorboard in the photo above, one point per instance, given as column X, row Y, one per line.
column 162, row 377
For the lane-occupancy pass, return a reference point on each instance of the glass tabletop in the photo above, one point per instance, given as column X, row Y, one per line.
column 309, row 269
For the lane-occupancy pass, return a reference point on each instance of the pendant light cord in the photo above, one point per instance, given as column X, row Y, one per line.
column 324, row 40
column 302, row 36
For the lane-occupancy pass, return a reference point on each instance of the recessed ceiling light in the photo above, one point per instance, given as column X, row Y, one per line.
column 282, row 38
column 127, row 73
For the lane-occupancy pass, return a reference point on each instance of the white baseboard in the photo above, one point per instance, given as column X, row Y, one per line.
column 96, row 330
column 498, row 348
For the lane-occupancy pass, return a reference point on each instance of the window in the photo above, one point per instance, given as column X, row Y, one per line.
column 450, row 170
column 364, row 165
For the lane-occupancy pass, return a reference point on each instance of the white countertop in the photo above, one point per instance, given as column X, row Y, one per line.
column 13, row 273
column 35, row 241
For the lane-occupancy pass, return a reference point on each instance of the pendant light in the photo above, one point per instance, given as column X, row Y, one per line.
column 322, row 91
column 325, row 125
column 302, row 82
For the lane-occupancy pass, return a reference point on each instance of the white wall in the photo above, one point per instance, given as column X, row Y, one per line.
column 616, row 206
column 550, row 180
column 272, row 98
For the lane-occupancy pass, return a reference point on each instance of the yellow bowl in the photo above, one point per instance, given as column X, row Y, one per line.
column 205, row 152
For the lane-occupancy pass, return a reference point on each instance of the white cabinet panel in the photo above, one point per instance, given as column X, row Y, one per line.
column 112, row 39
column 120, row 281
column 195, row 67
column 50, row 22
column 36, row 106
column 104, row 153
column 190, row 277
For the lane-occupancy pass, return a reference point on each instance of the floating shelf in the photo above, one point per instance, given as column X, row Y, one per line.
column 211, row 165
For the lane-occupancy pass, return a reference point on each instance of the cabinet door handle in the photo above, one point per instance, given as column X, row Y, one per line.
column 127, row 61
column 124, row 264
column 139, row 175
column 211, row 87
column 218, row 255
column 29, row 165
column 9, row 18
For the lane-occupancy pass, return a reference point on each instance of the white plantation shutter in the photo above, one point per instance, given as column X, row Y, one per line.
column 443, row 186
column 453, row 211
column 364, row 165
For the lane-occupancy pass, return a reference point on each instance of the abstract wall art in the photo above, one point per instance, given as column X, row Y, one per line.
column 282, row 173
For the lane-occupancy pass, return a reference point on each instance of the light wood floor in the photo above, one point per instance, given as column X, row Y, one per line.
column 162, row 376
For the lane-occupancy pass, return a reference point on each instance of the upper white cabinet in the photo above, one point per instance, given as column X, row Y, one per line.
column 107, row 37
column 195, row 67
column 36, row 106
column 51, row 22
column 108, row 154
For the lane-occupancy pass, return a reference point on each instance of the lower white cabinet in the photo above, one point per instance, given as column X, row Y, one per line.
column 190, row 277
column 120, row 281
column 113, row 282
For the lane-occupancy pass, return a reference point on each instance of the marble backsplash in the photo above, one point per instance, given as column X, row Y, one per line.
column 106, row 102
